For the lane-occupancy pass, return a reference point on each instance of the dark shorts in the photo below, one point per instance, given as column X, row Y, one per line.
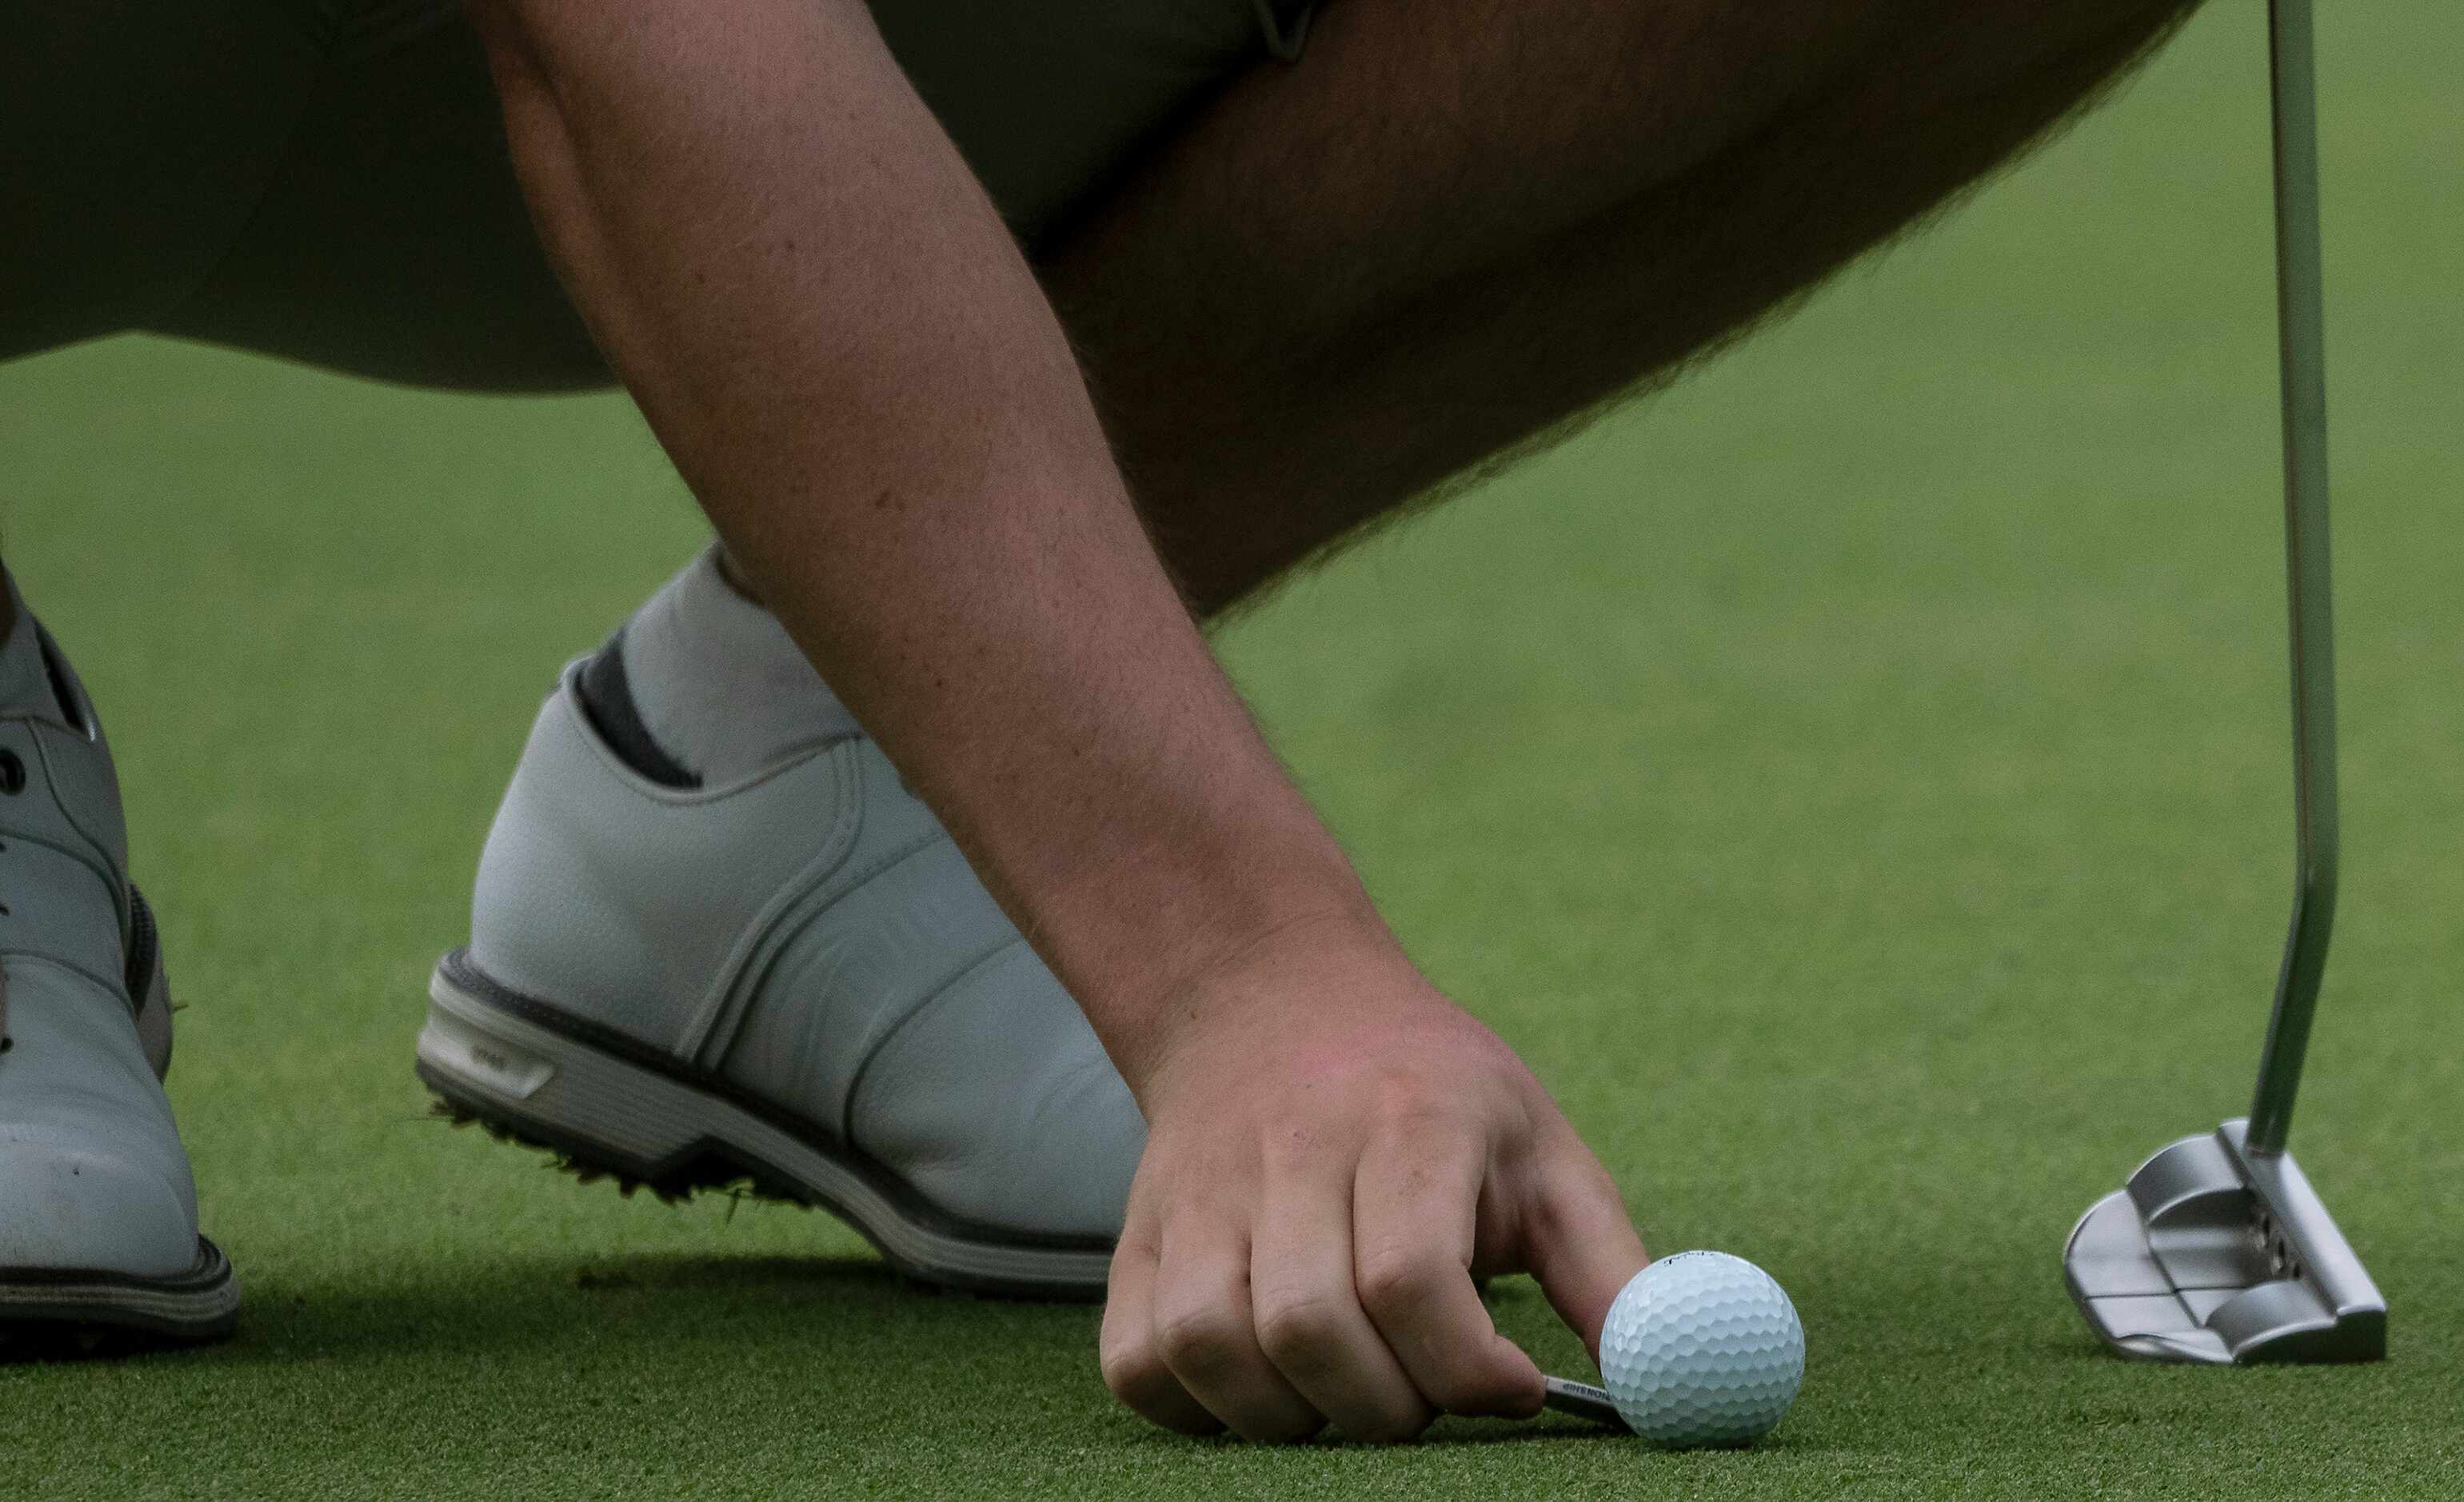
column 327, row 180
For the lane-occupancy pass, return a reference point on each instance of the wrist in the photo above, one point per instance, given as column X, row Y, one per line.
column 1240, row 991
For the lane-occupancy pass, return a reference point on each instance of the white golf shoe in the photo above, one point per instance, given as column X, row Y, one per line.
column 793, row 980
column 97, row 1213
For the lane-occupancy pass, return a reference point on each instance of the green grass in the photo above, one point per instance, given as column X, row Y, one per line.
column 1857, row 782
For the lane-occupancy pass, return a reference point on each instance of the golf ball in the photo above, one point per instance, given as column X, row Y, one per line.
column 1702, row 1348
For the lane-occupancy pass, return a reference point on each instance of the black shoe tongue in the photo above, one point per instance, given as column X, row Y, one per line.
column 607, row 697
column 35, row 682
column 29, row 688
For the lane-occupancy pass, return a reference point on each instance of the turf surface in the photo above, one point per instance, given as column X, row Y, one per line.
column 1856, row 781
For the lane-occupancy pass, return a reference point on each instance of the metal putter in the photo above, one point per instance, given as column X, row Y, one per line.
column 2218, row 1251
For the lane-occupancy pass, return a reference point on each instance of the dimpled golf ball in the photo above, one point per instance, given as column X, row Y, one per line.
column 1702, row 1348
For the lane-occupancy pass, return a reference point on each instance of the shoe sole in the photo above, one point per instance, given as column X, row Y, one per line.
column 611, row 1107
column 71, row 1311
column 47, row 1312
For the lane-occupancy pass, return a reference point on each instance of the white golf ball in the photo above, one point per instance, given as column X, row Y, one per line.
column 1702, row 1348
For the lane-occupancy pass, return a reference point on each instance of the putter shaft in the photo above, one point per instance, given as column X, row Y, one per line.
column 2217, row 1251
column 2302, row 327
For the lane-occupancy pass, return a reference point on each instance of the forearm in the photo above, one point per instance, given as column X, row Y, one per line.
column 828, row 328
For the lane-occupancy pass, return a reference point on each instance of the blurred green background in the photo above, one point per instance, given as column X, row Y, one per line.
column 1856, row 781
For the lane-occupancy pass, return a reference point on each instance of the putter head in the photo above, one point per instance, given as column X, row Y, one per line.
column 2220, row 1255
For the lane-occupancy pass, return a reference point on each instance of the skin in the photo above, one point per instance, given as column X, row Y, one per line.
column 1297, row 334
column 1461, row 226
column 858, row 375
column 855, row 370
column 874, row 397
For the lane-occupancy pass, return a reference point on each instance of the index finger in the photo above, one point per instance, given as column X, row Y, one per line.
column 1416, row 1215
column 1578, row 1241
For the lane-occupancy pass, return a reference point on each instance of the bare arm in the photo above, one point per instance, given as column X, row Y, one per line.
column 830, row 331
column 833, row 335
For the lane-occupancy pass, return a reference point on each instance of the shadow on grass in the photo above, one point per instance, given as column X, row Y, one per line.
column 600, row 1327
column 527, row 1301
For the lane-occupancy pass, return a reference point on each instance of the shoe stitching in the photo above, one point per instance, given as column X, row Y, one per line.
column 28, row 957
column 710, row 1031
column 110, row 872
column 784, row 920
column 112, row 886
column 875, row 1047
column 103, row 871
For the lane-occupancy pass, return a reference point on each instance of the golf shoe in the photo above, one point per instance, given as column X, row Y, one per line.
column 99, row 1238
column 791, row 981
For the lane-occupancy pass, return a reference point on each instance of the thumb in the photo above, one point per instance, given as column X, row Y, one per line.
column 1580, row 1245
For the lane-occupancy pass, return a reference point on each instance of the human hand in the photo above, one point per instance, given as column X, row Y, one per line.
column 1335, row 1151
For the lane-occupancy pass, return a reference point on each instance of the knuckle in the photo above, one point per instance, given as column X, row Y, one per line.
column 1199, row 1341
column 1395, row 1282
column 1132, row 1370
column 1299, row 1330
column 1137, row 1379
column 1418, row 1106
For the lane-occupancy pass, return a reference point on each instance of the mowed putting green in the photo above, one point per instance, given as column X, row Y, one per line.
column 1856, row 781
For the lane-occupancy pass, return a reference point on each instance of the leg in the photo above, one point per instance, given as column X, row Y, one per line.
column 1350, row 281
column 137, row 135
column 1255, row 440
column 392, row 240
column 882, row 1039
column 708, row 886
